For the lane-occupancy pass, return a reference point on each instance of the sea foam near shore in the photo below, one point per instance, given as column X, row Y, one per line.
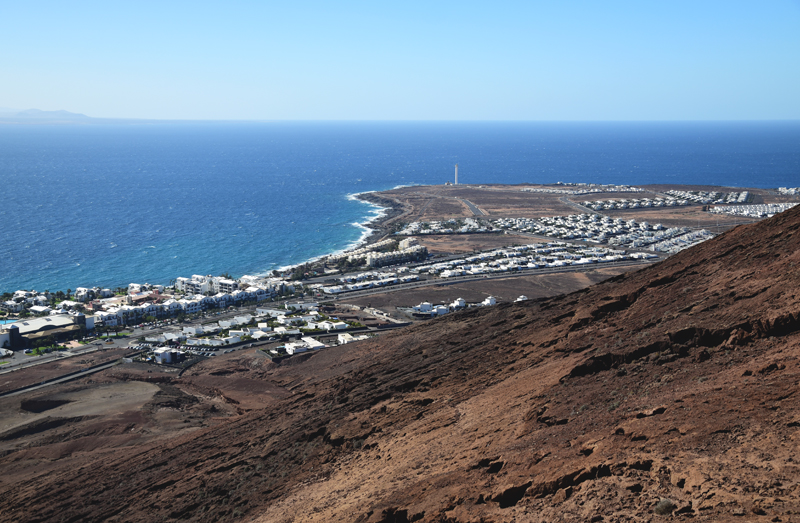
column 377, row 213
column 248, row 198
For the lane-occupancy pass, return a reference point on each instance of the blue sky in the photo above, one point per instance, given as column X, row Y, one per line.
column 573, row 60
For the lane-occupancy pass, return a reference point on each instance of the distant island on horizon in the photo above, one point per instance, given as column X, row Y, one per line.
column 39, row 116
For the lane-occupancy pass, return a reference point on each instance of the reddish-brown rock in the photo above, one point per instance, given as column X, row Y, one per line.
column 676, row 383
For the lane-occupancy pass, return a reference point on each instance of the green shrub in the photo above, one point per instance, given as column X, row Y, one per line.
column 665, row 507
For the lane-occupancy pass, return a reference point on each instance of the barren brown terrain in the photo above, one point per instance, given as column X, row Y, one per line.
column 444, row 202
column 692, row 216
column 37, row 373
column 438, row 202
column 504, row 289
column 464, row 243
column 665, row 393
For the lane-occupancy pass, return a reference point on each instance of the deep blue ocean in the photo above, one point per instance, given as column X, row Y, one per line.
column 111, row 204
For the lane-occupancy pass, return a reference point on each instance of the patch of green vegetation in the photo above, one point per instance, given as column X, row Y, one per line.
column 665, row 507
column 118, row 335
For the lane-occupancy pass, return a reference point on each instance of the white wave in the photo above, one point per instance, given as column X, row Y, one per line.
column 376, row 213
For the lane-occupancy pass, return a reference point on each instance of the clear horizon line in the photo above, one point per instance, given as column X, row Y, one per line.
column 107, row 119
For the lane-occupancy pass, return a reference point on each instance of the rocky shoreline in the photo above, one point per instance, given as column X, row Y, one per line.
column 380, row 228
column 384, row 225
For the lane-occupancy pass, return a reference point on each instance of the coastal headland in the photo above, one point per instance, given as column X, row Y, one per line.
column 438, row 205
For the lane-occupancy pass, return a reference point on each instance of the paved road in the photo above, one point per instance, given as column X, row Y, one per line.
column 472, row 207
column 20, row 360
column 459, row 279
column 424, row 207
column 580, row 208
column 62, row 379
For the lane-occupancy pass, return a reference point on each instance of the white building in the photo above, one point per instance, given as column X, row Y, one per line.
column 163, row 355
column 274, row 313
column 12, row 306
column 303, row 306
column 330, row 325
column 38, row 309
column 312, row 343
column 283, row 330
column 22, row 295
column 41, row 300
column 171, row 307
column 289, row 320
column 407, row 243
column 108, row 318
column 191, row 306
column 226, row 286
column 460, row 303
column 295, row 347
column 346, row 337
column 167, row 355
column 306, row 343
column 423, row 307
column 136, row 288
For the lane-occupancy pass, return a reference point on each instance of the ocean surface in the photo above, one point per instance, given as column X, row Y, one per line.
column 112, row 204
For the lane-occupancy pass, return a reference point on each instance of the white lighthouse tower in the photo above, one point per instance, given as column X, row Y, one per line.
column 456, row 174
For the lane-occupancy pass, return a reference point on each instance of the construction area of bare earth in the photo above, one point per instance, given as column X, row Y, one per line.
column 667, row 392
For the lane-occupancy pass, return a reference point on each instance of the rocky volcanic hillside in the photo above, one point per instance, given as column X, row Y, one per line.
column 672, row 390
